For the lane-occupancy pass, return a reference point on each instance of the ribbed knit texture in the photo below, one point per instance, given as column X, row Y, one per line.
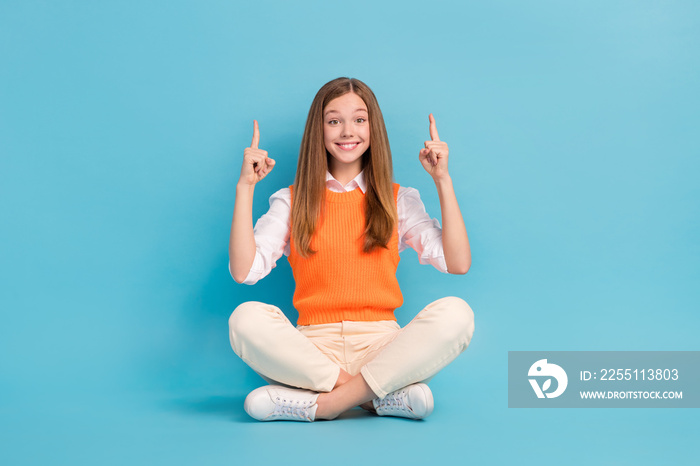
column 341, row 282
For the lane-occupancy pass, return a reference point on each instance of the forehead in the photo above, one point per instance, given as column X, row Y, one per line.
column 346, row 103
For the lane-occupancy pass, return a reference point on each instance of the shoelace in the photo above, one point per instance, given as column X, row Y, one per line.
column 291, row 408
column 394, row 402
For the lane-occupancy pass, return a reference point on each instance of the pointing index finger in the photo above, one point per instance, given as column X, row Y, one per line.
column 256, row 135
column 433, row 129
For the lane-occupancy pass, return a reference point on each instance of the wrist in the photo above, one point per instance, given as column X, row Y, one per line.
column 244, row 188
column 443, row 181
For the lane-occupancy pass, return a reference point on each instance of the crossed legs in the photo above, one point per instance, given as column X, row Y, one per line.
column 265, row 339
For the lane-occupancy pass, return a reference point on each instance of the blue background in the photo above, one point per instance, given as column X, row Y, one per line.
column 573, row 132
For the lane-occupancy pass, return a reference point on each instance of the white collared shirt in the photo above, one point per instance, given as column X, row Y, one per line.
column 416, row 229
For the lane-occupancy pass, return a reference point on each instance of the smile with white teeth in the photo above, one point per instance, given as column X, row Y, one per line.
column 348, row 146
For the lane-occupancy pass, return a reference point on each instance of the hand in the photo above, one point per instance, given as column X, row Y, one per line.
column 435, row 154
column 256, row 163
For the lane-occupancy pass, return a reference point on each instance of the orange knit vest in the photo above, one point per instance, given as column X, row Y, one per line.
column 341, row 282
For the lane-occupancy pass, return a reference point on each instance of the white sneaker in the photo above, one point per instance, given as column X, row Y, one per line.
column 414, row 402
column 277, row 403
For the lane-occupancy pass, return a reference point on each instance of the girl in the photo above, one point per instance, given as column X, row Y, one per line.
column 342, row 225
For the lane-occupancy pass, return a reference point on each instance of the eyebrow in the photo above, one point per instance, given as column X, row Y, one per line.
column 356, row 110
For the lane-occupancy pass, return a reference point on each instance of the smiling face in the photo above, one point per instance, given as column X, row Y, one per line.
column 346, row 135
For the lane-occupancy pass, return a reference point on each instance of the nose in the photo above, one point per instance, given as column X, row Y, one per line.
column 347, row 130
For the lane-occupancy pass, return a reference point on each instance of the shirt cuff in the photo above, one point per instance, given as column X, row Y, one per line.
column 256, row 271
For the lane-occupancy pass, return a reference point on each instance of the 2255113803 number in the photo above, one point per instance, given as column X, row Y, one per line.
column 639, row 374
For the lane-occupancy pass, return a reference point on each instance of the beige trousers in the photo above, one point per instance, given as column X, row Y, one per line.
column 388, row 357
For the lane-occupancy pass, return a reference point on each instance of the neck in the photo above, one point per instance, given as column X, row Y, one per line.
column 345, row 173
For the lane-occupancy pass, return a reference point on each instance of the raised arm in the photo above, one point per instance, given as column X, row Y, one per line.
column 434, row 157
column 241, row 246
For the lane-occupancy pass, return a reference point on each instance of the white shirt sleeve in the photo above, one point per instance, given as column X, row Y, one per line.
column 418, row 230
column 271, row 236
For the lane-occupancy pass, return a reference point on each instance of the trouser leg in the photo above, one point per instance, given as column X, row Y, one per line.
column 263, row 337
column 433, row 339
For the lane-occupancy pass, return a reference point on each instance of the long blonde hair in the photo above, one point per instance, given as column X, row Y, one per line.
column 310, row 181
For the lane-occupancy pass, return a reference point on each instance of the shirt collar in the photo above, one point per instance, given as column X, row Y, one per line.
column 357, row 182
